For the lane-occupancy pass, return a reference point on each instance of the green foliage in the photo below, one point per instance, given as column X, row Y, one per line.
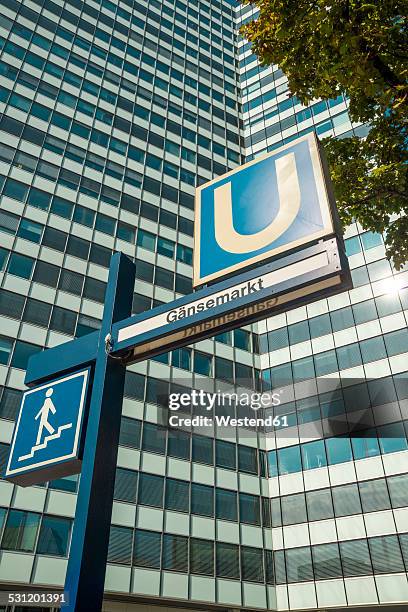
column 328, row 47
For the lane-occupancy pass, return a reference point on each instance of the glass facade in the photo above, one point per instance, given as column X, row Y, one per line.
column 342, row 362
column 111, row 113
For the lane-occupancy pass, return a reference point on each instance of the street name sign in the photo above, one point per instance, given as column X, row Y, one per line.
column 302, row 277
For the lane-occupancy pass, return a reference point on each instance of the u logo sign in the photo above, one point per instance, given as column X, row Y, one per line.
column 266, row 207
column 289, row 204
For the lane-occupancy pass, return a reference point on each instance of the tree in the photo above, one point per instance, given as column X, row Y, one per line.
column 359, row 48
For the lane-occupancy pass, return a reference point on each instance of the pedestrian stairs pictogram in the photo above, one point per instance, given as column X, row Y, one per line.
column 45, row 443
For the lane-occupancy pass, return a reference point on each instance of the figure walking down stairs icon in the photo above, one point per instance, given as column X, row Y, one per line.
column 42, row 414
column 48, row 428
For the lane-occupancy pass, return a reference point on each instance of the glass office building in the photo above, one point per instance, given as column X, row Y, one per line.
column 111, row 114
column 339, row 502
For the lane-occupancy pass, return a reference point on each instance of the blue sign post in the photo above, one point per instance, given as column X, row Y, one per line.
column 49, row 426
column 70, row 420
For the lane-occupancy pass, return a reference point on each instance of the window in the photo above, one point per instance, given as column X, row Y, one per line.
column 54, row 239
column 71, row 282
column 144, row 271
column 202, row 363
column 249, row 509
column 184, row 254
column 373, row 349
column 224, row 338
column 226, row 505
column 314, row 455
column 242, row 339
column 54, row 536
column 146, row 240
column 157, row 393
column 105, row 224
column 134, row 386
column 2, row 517
column 78, row 247
column 398, row 486
column 299, row 332
column 225, row 454
column 353, row 246
column 120, row 545
column 63, row 320
column 252, row 564
column 67, row 483
column 37, row 312
column 278, row 339
column 370, row 240
column 178, row 444
column 11, row 304
column 396, row 342
column 227, row 560
column 175, row 553
column 342, row 318
column 177, row 495
column 125, row 485
column 29, row 230
column 364, row 311
column 388, row 304
column 379, row 269
column 147, row 548
column 392, row 438
column 338, row 450
column 201, row 557
column 365, row 445
column 247, row 459
column 374, row 495
column 319, row 505
column 164, row 278
column 355, row 558
column 84, row 216
column 20, row 531
column 224, row 369
column 6, row 346
column 203, row 449
column 130, row 432
column 346, row 500
column 303, row 369
column 3, row 258
column 181, row 358
column 202, row 500
column 10, row 404
column 16, row 190
column 299, row 565
column 46, row 274
column 20, row 265
column 326, row 561
column 165, row 247
column 150, row 490
column 386, row 555
column 293, row 509
column 289, row 460
column 39, row 199
column 154, row 438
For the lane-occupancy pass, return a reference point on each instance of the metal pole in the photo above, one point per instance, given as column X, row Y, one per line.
column 84, row 584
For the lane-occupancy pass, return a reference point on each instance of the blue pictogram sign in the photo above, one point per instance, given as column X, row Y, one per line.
column 48, row 429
